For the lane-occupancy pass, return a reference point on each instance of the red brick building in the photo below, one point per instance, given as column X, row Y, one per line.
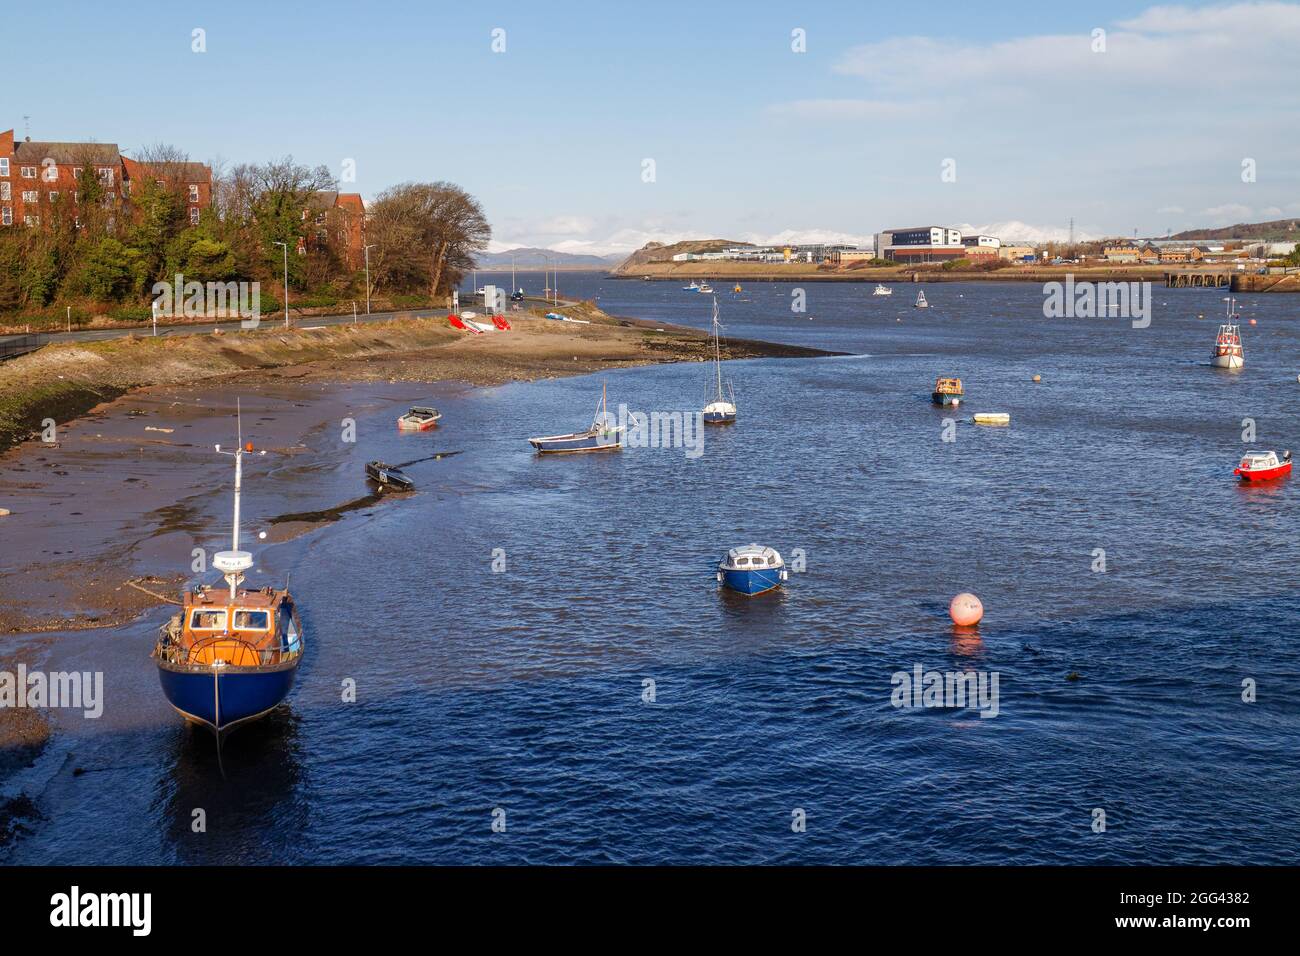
column 345, row 213
column 39, row 179
column 193, row 180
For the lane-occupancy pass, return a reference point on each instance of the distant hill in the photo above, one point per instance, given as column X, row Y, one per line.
column 530, row 257
column 1276, row 230
column 658, row 252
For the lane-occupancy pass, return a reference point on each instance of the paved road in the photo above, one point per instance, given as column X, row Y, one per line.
column 272, row 322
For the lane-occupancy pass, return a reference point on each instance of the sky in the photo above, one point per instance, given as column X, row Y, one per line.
column 596, row 127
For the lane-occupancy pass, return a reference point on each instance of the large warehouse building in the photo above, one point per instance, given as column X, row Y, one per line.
column 920, row 244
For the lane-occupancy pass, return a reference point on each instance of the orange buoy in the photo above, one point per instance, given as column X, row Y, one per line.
column 1252, row 321
column 965, row 609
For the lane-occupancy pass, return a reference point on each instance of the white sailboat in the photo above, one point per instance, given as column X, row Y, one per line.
column 722, row 409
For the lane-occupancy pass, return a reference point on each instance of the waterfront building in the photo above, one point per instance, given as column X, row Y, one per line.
column 336, row 216
column 39, row 180
column 921, row 244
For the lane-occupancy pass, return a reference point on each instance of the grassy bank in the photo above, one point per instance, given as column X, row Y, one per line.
column 63, row 381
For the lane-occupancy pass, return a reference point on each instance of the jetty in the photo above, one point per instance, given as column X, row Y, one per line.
column 1199, row 279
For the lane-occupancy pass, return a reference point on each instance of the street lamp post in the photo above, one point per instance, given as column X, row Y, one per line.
column 285, row 245
column 368, row 248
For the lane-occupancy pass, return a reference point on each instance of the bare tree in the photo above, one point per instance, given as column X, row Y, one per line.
column 426, row 233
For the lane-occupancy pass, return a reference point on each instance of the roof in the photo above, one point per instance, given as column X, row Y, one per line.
column 65, row 153
column 187, row 172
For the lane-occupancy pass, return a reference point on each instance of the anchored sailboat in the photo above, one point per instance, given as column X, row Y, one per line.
column 722, row 410
column 603, row 435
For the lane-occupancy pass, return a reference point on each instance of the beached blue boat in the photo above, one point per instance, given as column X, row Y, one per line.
column 230, row 657
column 752, row 569
column 603, row 435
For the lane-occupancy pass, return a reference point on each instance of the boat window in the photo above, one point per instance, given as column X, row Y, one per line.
column 252, row 620
column 208, row 620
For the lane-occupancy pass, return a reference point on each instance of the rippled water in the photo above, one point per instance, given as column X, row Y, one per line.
column 522, row 690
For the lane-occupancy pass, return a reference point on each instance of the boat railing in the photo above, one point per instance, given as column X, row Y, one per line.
column 171, row 651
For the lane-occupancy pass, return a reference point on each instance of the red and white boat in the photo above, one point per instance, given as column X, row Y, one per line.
column 1227, row 346
column 1263, row 466
column 420, row 418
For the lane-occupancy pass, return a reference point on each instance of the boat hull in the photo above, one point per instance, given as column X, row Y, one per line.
column 944, row 399
column 1265, row 474
column 751, row 582
column 1228, row 361
column 574, row 444
column 222, row 698
column 409, row 426
column 719, row 418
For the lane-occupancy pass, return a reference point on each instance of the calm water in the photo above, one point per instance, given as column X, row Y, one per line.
column 523, row 690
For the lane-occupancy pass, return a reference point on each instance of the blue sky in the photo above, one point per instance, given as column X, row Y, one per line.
column 750, row 140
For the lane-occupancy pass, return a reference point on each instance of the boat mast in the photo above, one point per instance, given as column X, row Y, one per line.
column 717, row 348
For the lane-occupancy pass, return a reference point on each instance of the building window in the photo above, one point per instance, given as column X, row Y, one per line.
column 77, row 171
column 6, row 216
column 4, row 166
column 194, row 193
column 28, row 172
column 6, row 192
column 54, row 195
column 194, row 215
column 32, row 220
column 106, row 175
column 31, row 195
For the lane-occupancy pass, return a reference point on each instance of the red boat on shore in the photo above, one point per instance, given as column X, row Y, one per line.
column 1263, row 466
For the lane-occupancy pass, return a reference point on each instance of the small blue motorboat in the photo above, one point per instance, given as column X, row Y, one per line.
column 230, row 657
column 603, row 435
column 752, row 569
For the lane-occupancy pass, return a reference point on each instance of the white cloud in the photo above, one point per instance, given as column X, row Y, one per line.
column 1170, row 210
column 1233, row 211
column 841, row 109
column 1016, row 231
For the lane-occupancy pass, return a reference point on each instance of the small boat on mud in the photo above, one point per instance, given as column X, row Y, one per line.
column 722, row 409
column 386, row 476
column 230, row 657
column 882, row 289
column 1227, row 345
column 752, row 569
column 1263, row 466
column 603, row 435
column 479, row 327
column 920, row 300
column 419, row 418
column 947, row 392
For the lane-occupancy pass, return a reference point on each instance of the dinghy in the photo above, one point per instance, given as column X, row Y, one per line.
column 386, row 476
column 419, row 418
